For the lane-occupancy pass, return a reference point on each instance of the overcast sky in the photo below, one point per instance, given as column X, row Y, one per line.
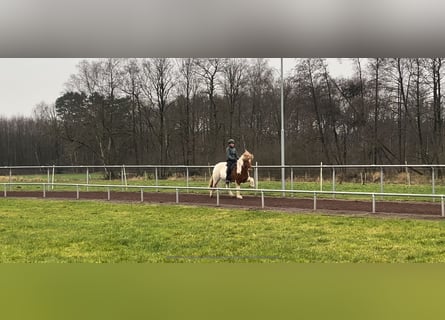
column 26, row 82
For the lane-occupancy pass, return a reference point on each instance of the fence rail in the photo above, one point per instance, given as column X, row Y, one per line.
column 260, row 172
column 262, row 192
column 321, row 165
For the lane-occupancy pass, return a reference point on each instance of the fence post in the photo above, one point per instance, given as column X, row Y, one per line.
column 442, row 207
column 44, row 191
column 48, row 176
column 292, row 180
column 262, row 199
column 433, row 182
column 88, row 178
column 381, row 180
column 333, row 182
column 373, row 203
column 122, row 177
column 283, row 181
column 10, row 178
column 256, row 175
column 52, row 179
column 125, row 177
column 315, row 201
column 321, row 176
column 77, row 192
column 187, row 181
column 177, row 195
column 142, row 195
column 4, row 186
column 156, row 178
column 108, row 194
column 217, row 197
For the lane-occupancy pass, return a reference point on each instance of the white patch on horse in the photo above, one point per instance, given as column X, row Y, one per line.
column 239, row 165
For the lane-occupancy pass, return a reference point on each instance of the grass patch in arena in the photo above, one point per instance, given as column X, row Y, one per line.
column 43, row 231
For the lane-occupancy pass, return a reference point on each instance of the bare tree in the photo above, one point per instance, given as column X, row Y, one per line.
column 109, row 113
column 131, row 87
column 398, row 83
column 159, row 73
column 187, row 87
column 262, row 112
column 419, row 97
column 363, row 114
column 87, row 78
column 375, row 66
column 47, row 121
column 208, row 69
column 233, row 83
column 435, row 79
column 310, row 74
column 334, row 117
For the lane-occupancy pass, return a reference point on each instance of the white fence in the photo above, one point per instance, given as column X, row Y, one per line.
column 262, row 192
column 320, row 173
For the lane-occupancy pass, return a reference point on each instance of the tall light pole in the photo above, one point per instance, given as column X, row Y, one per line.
column 283, row 174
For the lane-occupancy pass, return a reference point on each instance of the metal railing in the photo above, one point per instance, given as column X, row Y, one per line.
column 262, row 192
column 258, row 171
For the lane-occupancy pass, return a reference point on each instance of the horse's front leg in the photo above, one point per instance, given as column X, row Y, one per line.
column 238, row 194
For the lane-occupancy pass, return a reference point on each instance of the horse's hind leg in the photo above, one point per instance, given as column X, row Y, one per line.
column 213, row 185
column 228, row 188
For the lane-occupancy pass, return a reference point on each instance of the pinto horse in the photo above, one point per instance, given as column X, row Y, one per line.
column 239, row 174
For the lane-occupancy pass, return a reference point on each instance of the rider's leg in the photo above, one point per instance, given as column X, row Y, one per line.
column 229, row 171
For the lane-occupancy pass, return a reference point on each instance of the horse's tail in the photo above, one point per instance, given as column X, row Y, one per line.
column 211, row 185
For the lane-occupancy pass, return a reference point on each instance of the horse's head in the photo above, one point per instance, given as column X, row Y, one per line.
column 245, row 161
column 247, row 158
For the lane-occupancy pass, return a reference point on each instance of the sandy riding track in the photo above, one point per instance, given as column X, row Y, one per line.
column 415, row 210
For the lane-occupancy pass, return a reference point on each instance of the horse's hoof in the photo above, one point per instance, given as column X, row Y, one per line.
column 239, row 197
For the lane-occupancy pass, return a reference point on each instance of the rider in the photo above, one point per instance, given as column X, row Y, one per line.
column 232, row 157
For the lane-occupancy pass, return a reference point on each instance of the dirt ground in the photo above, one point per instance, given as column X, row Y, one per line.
column 414, row 210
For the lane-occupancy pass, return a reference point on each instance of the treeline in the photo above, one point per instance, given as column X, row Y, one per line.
column 182, row 111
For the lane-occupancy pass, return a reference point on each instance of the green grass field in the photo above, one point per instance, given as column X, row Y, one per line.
column 44, row 231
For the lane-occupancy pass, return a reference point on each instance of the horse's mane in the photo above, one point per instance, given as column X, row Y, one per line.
column 246, row 157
